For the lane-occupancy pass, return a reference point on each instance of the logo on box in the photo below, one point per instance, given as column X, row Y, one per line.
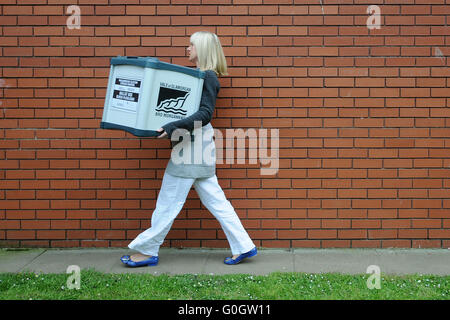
column 171, row 99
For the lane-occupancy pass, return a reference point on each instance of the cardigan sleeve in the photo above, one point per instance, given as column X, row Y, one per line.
column 205, row 112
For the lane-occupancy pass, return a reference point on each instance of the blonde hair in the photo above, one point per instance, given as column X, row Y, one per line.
column 209, row 52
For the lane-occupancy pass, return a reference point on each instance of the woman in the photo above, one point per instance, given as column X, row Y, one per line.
column 206, row 52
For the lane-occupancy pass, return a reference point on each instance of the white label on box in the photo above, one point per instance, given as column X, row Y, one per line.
column 126, row 94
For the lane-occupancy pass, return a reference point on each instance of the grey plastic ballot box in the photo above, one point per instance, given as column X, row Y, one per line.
column 144, row 94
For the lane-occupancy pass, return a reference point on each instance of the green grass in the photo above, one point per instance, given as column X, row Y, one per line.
column 284, row 286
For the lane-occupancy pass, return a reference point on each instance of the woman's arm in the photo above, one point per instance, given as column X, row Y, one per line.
column 205, row 112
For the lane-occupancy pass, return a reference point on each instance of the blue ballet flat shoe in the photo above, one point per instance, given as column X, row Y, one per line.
column 152, row 261
column 231, row 261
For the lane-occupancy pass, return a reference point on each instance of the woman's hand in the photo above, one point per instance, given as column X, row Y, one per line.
column 164, row 134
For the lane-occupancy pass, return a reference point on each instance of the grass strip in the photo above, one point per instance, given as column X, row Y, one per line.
column 275, row 286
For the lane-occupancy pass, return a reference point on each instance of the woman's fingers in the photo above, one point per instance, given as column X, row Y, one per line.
column 164, row 134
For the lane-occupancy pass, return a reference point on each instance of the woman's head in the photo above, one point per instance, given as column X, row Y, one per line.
column 205, row 50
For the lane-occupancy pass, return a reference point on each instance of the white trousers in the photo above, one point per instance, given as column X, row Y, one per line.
column 171, row 198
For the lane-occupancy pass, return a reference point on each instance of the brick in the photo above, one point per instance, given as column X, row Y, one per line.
column 322, row 234
column 396, row 243
column 20, row 234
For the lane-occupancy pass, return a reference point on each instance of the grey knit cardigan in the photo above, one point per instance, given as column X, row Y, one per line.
column 193, row 168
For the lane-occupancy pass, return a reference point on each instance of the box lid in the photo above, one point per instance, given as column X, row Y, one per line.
column 151, row 62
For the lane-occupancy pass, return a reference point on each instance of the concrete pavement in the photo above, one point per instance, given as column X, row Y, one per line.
column 210, row 261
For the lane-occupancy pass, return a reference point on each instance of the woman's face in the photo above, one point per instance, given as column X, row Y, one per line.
column 192, row 53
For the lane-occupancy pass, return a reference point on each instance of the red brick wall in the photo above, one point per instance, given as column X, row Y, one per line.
column 363, row 118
